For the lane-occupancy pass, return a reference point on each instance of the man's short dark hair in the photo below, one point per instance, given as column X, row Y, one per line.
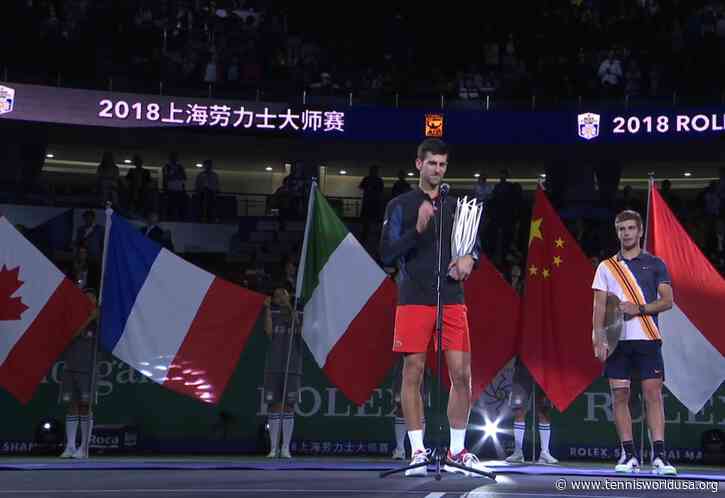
column 432, row 145
column 627, row 215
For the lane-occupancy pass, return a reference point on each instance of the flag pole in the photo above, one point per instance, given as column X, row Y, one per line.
column 86, row 438
column 643, row 407
column 650, row 185
column 295, row 310
column 96, row 337
column 534, row 409
column 534, row 419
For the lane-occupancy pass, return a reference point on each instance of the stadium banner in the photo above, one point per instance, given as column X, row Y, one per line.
column 359, row 123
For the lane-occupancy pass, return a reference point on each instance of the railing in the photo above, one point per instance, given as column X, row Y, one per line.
column 230, row 205
column 283, row 91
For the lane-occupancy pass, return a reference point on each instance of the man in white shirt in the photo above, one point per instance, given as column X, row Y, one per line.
column 610, row 72
column 643, row 287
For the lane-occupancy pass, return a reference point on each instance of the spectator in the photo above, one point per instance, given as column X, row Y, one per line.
column 152, row 230
column 610, row 74
column 90, row 236
column 715, row 245
column 401, row 186
column 514, row 278
column 634, row 79
column 712, row 200
column 108, row 178
column 85, row 272
column 483, row 190
column 138, row 184
column 503, row 211
column 211, row 70
column 673, row 201
column 174, row 182
column 371, row 213
column 629, row 200
column 207, row 188
column 282, row 200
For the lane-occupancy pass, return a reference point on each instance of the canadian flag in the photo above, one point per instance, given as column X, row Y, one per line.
column 693, row 342
column 40, row 312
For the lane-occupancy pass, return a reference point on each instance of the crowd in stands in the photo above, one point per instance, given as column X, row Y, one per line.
column 259, row 262
column 560, row 48
column 136, row 194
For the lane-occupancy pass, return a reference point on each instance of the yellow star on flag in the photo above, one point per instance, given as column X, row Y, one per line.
column 557, row 261
column 545, row 273
column 533, row 270
column 535, row 231
column 559, row 242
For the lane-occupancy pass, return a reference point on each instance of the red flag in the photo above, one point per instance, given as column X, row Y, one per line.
column 40, row 312
column 493, row 321
column 493, row 317
column 692, row 330
column 556, row 342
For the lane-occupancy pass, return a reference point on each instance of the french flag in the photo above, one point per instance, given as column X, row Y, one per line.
column 693, row 342
column 177, row 324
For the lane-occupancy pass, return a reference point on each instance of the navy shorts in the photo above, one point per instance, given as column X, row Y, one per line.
column 638, row 359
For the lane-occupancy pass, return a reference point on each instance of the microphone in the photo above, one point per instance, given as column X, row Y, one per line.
column 444, row 189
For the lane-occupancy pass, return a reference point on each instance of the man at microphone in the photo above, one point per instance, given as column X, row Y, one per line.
column 409, row 240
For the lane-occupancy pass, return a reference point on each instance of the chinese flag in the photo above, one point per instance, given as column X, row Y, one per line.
column 556, row 342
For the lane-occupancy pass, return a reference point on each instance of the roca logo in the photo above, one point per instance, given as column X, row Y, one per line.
column 107, row 441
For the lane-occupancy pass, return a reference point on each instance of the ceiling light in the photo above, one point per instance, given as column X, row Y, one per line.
column 268, row 168
column 127, row 161
column 410, row 173
column 343, row 172
column 199, row 165
column 477, row 175
column 50, row 156
column 687, row 173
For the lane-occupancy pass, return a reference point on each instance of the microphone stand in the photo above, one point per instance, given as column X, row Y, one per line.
column 440, row 454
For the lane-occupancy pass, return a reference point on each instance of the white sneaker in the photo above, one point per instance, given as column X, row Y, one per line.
column 272, row 454
column 466, row 459
column 420, row 456
column 68, row 452
column 663, row 467
column 631, row 465
column 284, row 453
column 399, row 454
column 546, row 457
column 516, row 457
column 80, row 454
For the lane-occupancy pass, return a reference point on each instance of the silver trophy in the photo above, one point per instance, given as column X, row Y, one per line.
column 611, row 332
column 465, row 227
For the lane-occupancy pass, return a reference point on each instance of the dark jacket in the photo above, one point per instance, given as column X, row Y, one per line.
column 416, row 255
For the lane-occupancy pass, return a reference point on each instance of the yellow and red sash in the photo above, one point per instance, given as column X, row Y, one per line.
column 634, row 294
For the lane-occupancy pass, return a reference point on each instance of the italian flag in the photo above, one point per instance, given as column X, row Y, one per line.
column 349, row 304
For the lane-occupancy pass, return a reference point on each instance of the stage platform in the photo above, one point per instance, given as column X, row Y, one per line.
column 190, row 476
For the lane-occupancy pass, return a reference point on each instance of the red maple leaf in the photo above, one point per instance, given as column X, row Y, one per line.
column 11, row 308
